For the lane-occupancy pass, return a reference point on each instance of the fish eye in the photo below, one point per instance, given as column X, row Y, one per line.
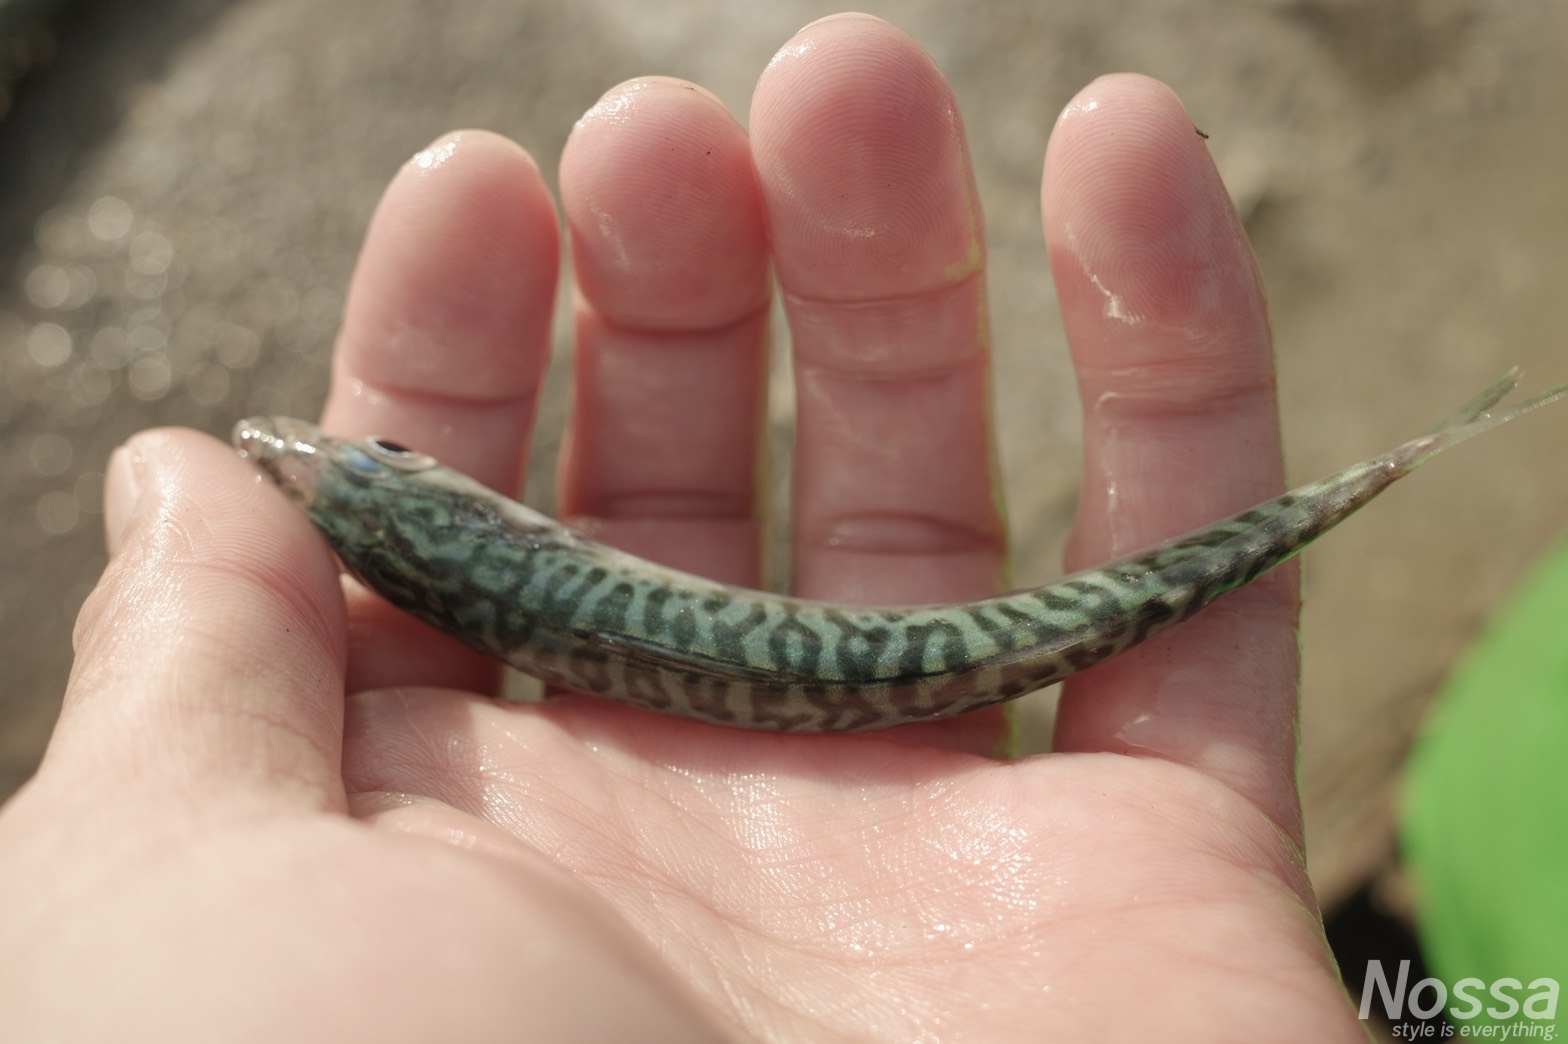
column 396, row 455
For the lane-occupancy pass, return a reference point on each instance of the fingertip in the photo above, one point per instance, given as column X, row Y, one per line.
column 184, row 504
column 1141, row 229
column 864, row 166
column 446, row 330
column 661, row 203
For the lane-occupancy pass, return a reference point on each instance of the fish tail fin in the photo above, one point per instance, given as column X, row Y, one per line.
column 1470, row 420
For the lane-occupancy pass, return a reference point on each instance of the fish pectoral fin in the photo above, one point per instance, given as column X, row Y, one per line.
column 652, row 655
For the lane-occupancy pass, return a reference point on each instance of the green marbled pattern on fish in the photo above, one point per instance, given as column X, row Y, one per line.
column 518, row 585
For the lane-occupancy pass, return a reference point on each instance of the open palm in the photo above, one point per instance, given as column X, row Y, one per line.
column 215, row 850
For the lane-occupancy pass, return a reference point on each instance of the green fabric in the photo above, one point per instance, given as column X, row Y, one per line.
column 1484, row 825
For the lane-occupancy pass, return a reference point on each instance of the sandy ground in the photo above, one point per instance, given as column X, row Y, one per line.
column 183, row 187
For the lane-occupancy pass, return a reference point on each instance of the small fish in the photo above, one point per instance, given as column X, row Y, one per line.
column 518, row 585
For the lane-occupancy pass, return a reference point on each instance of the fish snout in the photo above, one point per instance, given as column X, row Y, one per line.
column 286, row 449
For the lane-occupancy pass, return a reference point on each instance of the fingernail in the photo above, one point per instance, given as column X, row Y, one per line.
column 122, row 493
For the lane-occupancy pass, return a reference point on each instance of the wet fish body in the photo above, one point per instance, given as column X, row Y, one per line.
column 518, row 585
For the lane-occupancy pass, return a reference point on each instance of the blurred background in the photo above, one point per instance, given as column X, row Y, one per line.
column 184, row 184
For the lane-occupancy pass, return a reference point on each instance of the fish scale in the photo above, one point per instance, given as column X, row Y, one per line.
column 521, row 587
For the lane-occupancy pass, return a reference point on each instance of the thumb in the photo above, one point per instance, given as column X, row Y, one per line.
column 210, row 656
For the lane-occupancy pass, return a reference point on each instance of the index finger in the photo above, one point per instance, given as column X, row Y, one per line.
column 444, row 344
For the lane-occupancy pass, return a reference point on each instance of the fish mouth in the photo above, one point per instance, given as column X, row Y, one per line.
column 257, row 438
column 287, row 450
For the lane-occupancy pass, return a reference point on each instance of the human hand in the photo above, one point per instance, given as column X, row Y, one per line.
column 219, row 845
